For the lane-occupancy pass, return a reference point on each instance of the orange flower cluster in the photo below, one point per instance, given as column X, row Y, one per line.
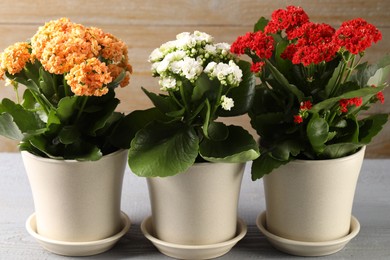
column 14, row 58
column 63, row 47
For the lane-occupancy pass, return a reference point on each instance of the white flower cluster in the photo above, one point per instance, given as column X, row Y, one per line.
column 190, row 55
column 227, row 103
column 228, row 74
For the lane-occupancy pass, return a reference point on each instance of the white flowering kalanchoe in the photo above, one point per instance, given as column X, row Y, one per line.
column 191, row 54
column 227, row 103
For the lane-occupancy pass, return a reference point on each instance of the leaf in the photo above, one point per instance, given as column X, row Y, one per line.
column 8, row 128
column 371, row 126
column 327, row 104
column 317, row 132
column 206, row 122
column 282, row 150
column 117, row 80
column 260, row 25
column 203, row 85
column 218, row 131
column 279, row 77
column 265, row 124
column 163, row 103
column 129, row 125
column 244, row 94
column 239, row 146
column 163, row 149
column 339, row 150
column 264, row 165
column 69, row 134
column 66, row 107
column 25, row 120
column 332, row 81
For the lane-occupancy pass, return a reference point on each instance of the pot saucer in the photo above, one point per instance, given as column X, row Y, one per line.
column 77, row 248
column 301, row 248
column 192, row 251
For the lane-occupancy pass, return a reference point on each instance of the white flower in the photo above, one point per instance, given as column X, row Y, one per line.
column 162, row 66
column 228, row 74
column 203, row 37
column 236, row 74
column 167, row 83
column 156, row 55
column 211, row 49
column 223, row 48
column 191, row 68
column 227, row 103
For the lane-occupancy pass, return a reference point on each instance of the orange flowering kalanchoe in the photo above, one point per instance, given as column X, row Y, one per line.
column 68, row 107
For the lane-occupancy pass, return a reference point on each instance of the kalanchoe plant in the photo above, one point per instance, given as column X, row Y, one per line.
column 67, row 110
column 313, row 85
column 200, row 80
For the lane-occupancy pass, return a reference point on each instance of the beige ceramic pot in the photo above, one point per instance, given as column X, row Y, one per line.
column 198, row 207
column 312, row 201
column 77, row 201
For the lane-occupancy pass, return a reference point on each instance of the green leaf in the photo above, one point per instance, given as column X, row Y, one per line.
column 69, row 134
column 265, row 164
column 206, row 122
column 8, row 128
column 239, row 146
column 203, row 85
column 279, row 77
column 25, row 120
column 339, row 150
column 163, row 149
column 243, row 95
column 328, row 103
column 129, row 125
column 117, row 80
column 371, row 126
column 218, row 131
column 163, row 103
column 66, row 107
column 282, row 150
column 332, row 81
column 99, row 120
column 260, row 25
column 317, row 132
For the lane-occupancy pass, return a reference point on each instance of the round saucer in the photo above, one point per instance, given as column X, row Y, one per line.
column 301, row 248
column 77, row 248
column 192, row 251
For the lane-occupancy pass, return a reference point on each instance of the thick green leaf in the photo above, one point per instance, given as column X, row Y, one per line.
column 69, row 134
column 371, row 126
column 8, row 128
column 203, row 85
column 99, row 120
column 66, row 107
column 163, row 149
column 339, row 150
column 328, row 103
column 218, row 131
column 279, row 77
column 260, row 25
column 264, row 165
column 239, row 146
column 129, row 125
column 282, row 150
column 163, row 103
column 243, row 95
column 329, row 88
column 317, row 132
column 25, row 120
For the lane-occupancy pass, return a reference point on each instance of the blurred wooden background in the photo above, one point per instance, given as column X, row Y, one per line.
column 146, row 24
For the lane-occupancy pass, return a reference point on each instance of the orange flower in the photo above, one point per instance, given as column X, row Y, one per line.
column 116, row 70
column 14, row 58
column 89, row 78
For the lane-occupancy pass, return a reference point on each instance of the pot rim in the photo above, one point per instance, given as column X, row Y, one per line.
column 51, row 160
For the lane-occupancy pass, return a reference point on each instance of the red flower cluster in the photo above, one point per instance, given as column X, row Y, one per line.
column 309, row 43
column 357, row 35
column 257, row 66
column 258, row 42
column 288, row 20
column 303, row 108
column 345, row 103
column 380, row 97
column 314, row 44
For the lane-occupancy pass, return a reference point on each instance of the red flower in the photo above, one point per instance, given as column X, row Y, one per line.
column 258, row 42
column 298, row 119
column 288, row 20
column 380, row 97
column 314, row 44
column 305, row 105
column 257, row 66
column 345, row 103
column 357, row 35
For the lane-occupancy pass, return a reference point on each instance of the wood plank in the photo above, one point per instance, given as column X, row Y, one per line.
column 187, row 12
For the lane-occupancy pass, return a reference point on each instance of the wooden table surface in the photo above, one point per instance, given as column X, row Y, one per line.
column 371, row 208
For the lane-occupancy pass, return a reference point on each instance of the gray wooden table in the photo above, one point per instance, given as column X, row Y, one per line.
column 371, row 208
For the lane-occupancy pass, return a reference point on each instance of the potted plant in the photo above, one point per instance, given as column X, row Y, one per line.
column 313, row 88
column 72, row 141
column 194, row 163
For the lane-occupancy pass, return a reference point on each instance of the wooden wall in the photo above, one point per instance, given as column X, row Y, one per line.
column 146, row 24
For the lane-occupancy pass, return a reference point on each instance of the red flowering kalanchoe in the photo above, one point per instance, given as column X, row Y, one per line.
column 312, row 88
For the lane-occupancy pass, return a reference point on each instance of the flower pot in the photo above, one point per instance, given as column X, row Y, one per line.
column 311, row 201
column 198, row 207
column 77, row 201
